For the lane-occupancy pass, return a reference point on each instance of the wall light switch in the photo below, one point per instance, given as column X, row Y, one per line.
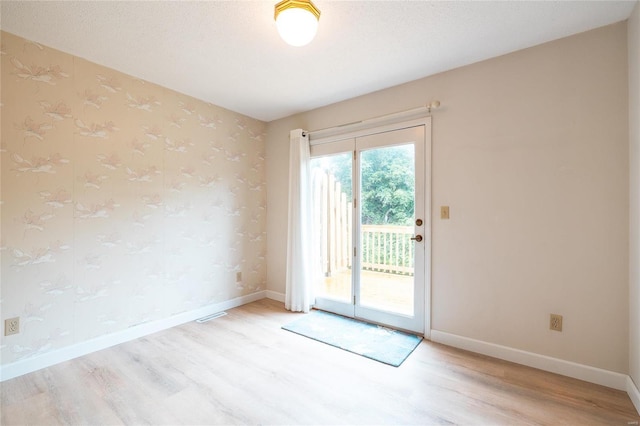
column 444, row 212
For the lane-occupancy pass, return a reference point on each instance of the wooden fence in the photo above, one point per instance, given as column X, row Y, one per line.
column 385, row 248
column 332, row 222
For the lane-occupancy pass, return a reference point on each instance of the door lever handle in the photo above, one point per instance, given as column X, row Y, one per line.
column 418, row 238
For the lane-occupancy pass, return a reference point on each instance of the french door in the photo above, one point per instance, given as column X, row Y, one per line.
column 370, row 232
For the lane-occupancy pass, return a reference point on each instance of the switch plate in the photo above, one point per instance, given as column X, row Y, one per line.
column 238, row 276
column 444, row 212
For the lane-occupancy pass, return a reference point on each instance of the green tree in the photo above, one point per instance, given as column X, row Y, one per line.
column 387, row 176
column 387, row 182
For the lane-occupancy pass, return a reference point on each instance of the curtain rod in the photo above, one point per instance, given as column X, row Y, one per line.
column 395, row 116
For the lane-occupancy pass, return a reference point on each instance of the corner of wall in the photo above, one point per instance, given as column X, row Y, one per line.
column 633, row 45
column 634, row 393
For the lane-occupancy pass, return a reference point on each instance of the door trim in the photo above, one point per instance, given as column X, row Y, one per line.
column 426, row 120
column 352, row 129
column 427, row 226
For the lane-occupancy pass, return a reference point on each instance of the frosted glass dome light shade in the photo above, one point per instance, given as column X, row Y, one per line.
column 297, row 21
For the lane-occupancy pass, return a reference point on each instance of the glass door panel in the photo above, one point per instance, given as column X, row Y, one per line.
column 387, row 188
column 390, row 267
column 332, row 216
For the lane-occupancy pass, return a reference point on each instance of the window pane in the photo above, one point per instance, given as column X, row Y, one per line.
column 387, row 213
column 332, row 208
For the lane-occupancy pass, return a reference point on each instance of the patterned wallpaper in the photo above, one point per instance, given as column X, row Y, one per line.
column 122, row 202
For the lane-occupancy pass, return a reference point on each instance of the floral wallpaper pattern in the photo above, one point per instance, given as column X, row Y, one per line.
column 122, row 202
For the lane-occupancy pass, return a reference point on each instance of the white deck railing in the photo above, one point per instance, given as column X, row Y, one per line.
column 385, row 248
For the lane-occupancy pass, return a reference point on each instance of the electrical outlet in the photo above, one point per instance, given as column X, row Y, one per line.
column 555, row 322
column 11, row 326
column 238, row 276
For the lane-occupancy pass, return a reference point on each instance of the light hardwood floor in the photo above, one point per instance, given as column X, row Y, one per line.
column 243, row 369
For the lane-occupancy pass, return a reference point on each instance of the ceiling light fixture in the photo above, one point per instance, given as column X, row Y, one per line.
column 297, row 21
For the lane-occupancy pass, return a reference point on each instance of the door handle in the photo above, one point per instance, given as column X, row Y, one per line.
column 418, row 238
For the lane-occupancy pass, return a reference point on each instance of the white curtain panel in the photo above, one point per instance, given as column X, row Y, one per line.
column 299, row 288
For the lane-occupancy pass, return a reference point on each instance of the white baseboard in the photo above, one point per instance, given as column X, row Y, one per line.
column 274, row 295
column 634, row 393
column 554, row 365
column 48, row 359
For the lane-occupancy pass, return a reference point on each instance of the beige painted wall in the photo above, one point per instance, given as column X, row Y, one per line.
column 122, row 202
column 530, row 151
column 634, row 180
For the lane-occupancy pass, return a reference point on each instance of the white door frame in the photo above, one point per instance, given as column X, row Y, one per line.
column 347, row 138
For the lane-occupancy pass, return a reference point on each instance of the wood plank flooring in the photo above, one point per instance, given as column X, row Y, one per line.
column 243, row 369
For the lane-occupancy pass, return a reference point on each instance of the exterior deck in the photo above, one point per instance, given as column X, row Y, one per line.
column 389, row 292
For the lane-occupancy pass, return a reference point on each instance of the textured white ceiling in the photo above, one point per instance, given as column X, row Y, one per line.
column 229, row 53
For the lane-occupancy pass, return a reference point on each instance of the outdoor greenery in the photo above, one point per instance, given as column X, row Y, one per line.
column 387, row 186
column 387, row 198
column 387, row 176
